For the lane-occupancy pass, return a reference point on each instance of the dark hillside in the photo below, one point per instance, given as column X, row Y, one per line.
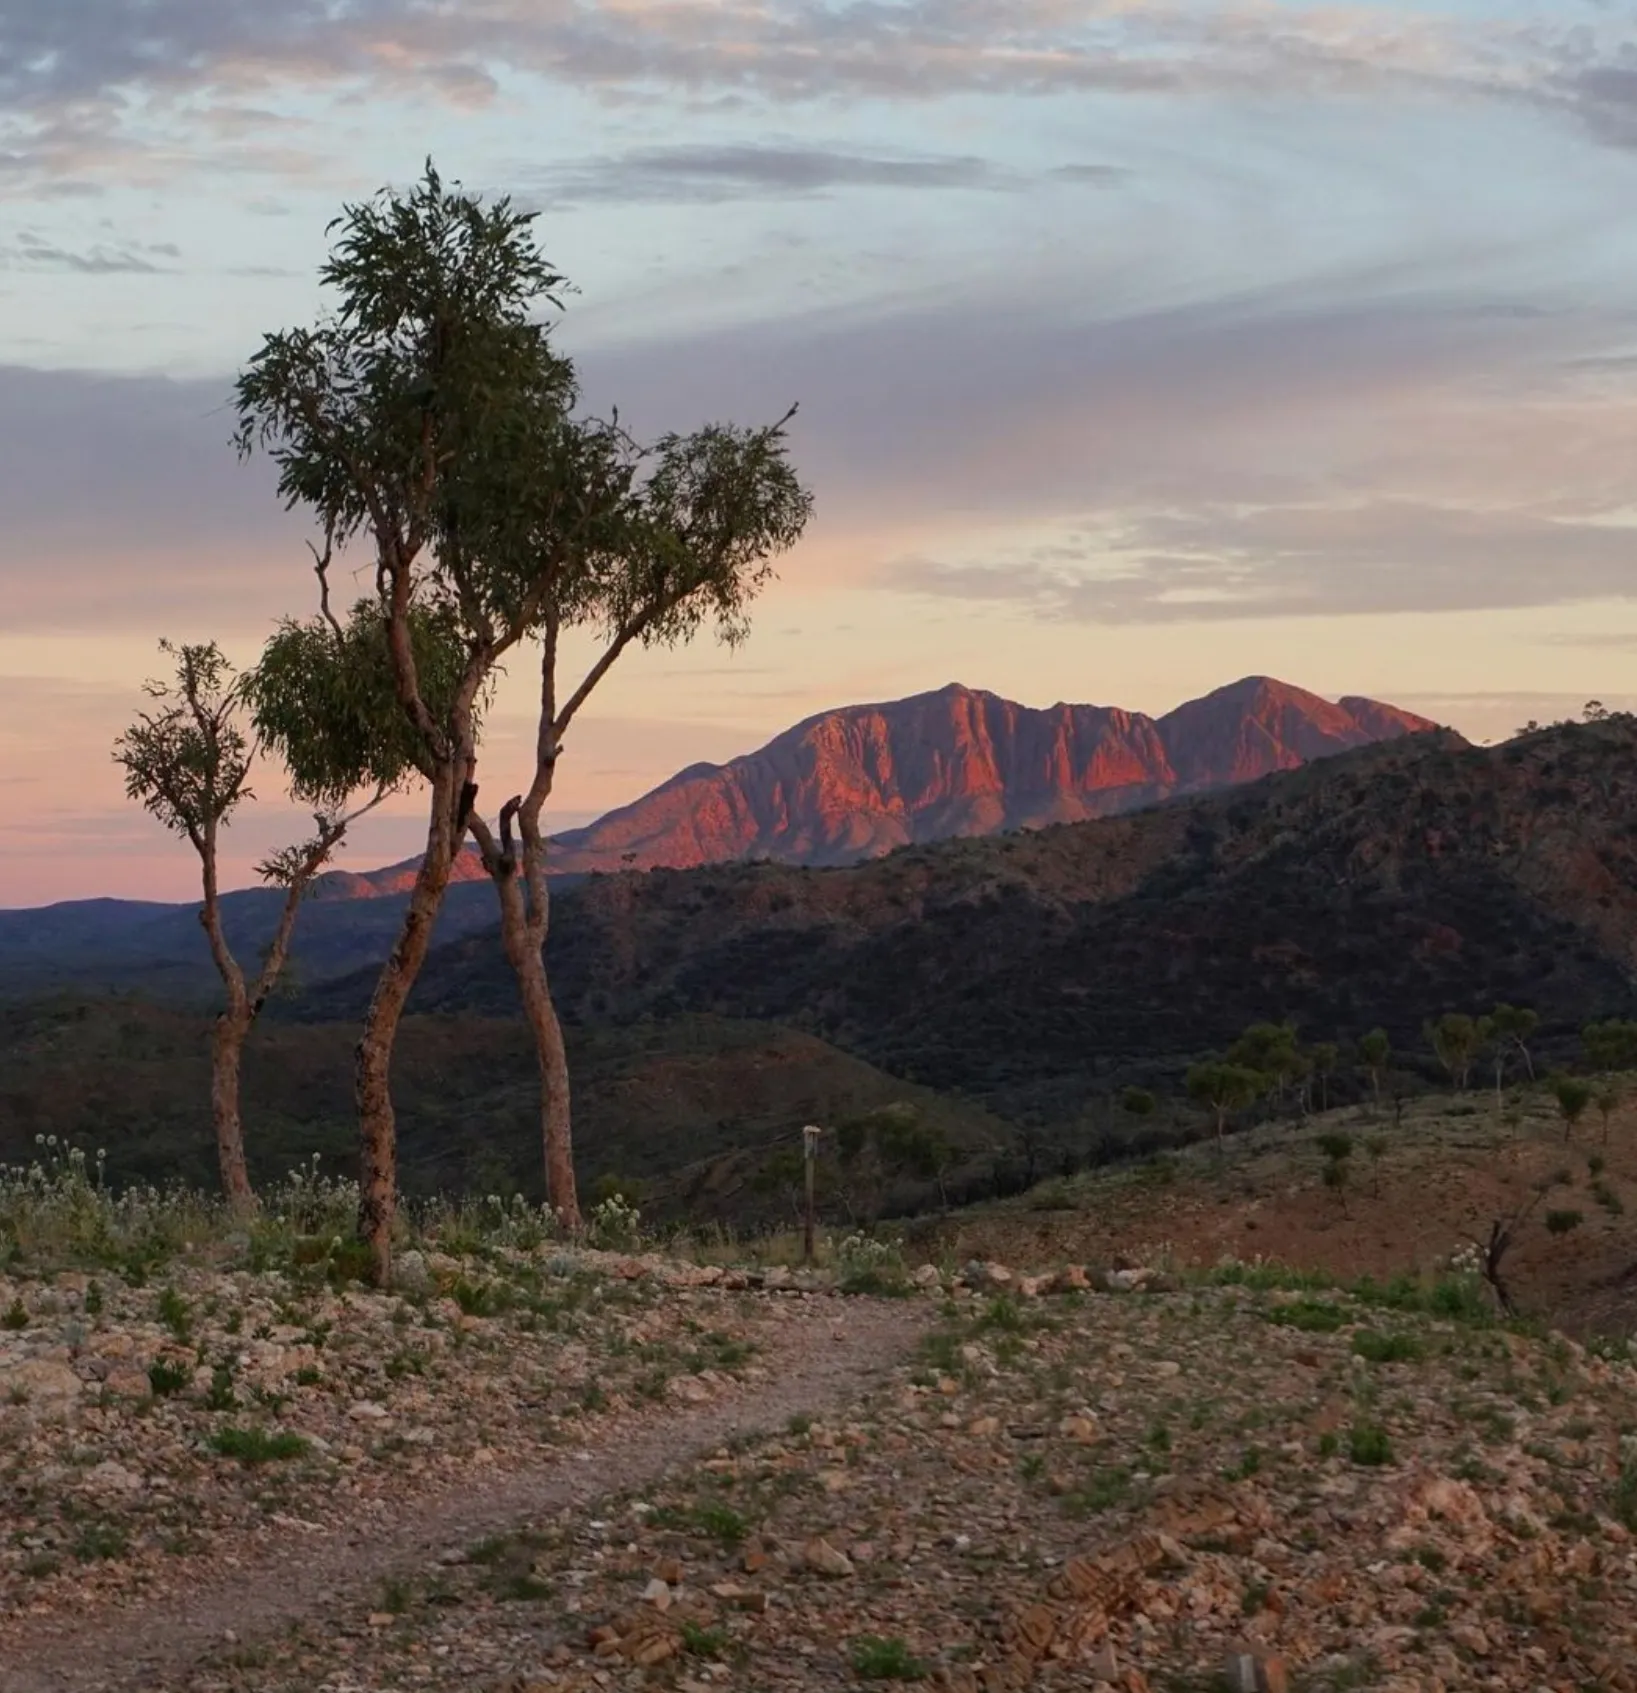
column 1382, row 886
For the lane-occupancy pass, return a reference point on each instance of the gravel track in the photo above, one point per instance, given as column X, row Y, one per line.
column 829, row 1353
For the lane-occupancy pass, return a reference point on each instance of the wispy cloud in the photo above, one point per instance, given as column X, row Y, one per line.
column 29, row 251
column 1221, row 563
column 711, row 174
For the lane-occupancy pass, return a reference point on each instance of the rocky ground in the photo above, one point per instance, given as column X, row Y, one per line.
column 1087, row 1481
column 1412, row 1192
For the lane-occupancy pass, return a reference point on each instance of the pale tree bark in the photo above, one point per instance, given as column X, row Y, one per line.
column 244, row 1003
column 227, row 1042
column 450, row 763
column 372, row 1060
column 525, row 904
column 524, row 918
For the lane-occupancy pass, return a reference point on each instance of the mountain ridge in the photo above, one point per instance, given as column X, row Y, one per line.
column 854, row 782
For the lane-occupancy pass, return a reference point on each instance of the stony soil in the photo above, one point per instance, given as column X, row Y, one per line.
column 1062, row 1488
column 153, row 1438
column 1414, row 1193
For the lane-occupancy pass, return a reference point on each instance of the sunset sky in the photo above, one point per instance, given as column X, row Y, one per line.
column 1139, row 347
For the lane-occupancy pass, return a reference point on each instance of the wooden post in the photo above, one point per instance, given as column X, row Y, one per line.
column 809, row 1147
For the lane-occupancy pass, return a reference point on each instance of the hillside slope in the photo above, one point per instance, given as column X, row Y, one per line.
column 1384, row 886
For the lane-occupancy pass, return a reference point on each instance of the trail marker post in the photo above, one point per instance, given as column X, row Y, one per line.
column 809, row 1147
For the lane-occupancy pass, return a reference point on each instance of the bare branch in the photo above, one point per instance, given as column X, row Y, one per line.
column 321, row 568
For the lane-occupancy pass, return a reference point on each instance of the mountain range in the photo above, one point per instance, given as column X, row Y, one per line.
column 854, row 783
column 842, row 787
column 1009, row 987
column 1380, row 887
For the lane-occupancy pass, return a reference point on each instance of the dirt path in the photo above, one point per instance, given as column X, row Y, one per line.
column 830, row 1353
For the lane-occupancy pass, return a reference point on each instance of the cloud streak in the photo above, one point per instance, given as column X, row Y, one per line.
column 1221, row 563
column 713, row 174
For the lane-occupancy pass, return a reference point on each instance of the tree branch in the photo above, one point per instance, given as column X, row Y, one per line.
column 321, row 568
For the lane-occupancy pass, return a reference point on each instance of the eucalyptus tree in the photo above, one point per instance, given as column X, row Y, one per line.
column 1375, row 1053
column 658, row 541
column 189, row 763
column 430, row 418
column 430, row 370
column 1457, row 1039
column 1223, row 1088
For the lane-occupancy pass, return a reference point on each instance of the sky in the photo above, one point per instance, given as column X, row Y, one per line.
column 1138, row 347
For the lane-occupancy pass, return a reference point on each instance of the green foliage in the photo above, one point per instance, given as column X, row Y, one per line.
column 188, row 761
column 325, row 699
column 889, row 1143
column 1270, row 1050
column 1375, row 1052
column 878, row 1659
column 1573, row 1094
column 167, row 1376
column 1137, row 1102
column 174, row 1313
column 429, row 361
column 701, row 1642
column 1379, row 1348
column 1456, row 1039
column 1610, row 1045
column 1222, row 1088
column 1512, row 1026
column 16, row 1316
column 1609, row 1099
column 257, row 1445
column 1563, row 1222
column 1368, row 1444
column 1312, row 1316
column 1322, row 1058
column 1336, row 1146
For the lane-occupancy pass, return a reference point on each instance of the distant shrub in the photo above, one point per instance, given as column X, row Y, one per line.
column 257, row 1445
column 166, row 1376
column 1386, row 1348
column 1562, row 1222
column 1312, row 1316
column 1367, row 1444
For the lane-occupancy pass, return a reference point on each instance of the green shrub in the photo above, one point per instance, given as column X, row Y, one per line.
column 257, row 1445
column 1562, row 1222
column 1386, row 1348
column 875, row 1659
column 1367, row 1443
column 166, row 1376
column 1312, row 1316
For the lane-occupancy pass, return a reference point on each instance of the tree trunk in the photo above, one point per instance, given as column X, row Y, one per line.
column 227, row 1047
column 372, row 1059
column 527, row 959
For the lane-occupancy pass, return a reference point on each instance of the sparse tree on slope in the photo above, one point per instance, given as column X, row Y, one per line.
column 1610, row 1045
column 1511, row 1027
column 1609, row 1099
column 1322, row 1055
column 188, row 761
column 1223, row 1088
column 1137, row 1102
column 1375, row 1054
column 1573, row 1095
column 1271, row 1051
column 1457, row 1041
